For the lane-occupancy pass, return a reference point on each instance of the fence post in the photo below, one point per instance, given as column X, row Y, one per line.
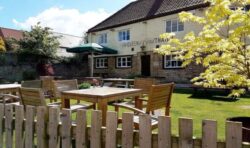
column 19, row 122
column 111, row 128
column 8, row 125
column 127, row 130
column 95, row 132
column 185, row 133
column 29, row 127
column 164, row 132
column 145, row 135
column 209, row 134
column 53, row 127
column 42, row 141
column 233, row 134
column 1, row 125
column 66, row 128
column 81, row 131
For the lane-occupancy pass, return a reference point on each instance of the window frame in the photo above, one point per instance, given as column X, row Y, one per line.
column 102, row 63
column 103, row 38
column 178, row 24
column 171, row 60
column 124, row 35
column 122, row 66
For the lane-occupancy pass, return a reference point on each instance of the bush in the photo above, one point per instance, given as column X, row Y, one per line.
column 84, row 85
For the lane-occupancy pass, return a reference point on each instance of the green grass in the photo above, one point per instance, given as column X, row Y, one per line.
column 202, row 106
column 205, row 106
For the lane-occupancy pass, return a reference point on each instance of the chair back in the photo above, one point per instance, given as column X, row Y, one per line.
column 144, row 84
column 159, row 97
column 64, row 85
column 32, row 96
column 32, row 84
column 47, row 85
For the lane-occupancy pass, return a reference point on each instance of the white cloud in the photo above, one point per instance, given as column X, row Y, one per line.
column 70, row 21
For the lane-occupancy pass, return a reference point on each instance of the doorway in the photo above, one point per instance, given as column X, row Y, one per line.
column 145, row 65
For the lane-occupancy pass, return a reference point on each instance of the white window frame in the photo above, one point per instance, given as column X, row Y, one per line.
column 103, row 38
column 171, row 62
column 124, row 35
column 178, row 24
column 101, row 63
column 123, row 62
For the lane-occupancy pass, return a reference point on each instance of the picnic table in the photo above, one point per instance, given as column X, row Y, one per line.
column 99, row 95
column 9, row 88
column 115, row 81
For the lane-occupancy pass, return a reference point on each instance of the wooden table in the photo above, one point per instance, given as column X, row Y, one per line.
column 9, row 88
column 116, row 80
column 99, row 95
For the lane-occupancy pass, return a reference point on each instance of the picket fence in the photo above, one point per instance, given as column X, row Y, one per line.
column 42, row 128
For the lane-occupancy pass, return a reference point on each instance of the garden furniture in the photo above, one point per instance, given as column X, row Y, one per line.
column 115, row 81
column 99, row 95
column 64, row 85
column 158, row 98
column 48, row 87
column 9, row 94
column 35, row 97
column 140, row 83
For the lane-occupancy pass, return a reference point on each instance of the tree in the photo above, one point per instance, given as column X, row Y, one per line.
column 2, row 45
column 222, row 45
column 39, row 42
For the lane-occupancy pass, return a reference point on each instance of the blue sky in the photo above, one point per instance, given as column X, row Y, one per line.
column 66, row 16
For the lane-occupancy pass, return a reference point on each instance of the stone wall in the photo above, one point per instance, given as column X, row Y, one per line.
column 12, row 70
column 177, row 75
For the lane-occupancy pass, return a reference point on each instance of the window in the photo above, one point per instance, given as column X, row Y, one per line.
column 124, row 35
column 170, row 62
column 103, row 38
column 174, row 26
column 123, row 62
column 101, row 62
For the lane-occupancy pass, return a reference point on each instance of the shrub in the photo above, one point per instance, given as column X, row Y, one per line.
column 84, row 85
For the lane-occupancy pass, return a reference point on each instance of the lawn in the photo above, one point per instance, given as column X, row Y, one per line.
column 203, row 106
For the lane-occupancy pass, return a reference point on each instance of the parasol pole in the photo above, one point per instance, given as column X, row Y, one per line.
column 92, row 64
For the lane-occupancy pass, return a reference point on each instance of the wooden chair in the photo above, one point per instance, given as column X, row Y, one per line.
column 35, row 97
column 64, row 85
column 144, row 84
column 159, row 97
column 32, row 84
column 47, row 87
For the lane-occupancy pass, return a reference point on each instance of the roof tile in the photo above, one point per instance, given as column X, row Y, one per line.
column 146, row 9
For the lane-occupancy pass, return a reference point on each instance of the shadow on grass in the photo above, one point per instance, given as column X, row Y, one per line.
column 206, row 94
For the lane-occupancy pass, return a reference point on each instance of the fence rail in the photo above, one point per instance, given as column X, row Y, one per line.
column 50, row 128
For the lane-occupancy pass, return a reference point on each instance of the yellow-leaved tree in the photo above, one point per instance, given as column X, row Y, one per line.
column 222, row 46
column 2, row 45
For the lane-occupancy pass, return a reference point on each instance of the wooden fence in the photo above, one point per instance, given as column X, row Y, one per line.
column 42, row 128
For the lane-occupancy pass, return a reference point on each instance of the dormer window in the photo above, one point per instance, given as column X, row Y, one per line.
column 103, row 38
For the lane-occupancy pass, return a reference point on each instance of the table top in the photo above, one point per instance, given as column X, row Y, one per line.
column 118, row 79
column 102, row 91
column 9, row 86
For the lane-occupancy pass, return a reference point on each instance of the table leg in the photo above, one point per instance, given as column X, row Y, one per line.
column 138, row 102
column 127, row 84
column 65, row 102
column 102, row 106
